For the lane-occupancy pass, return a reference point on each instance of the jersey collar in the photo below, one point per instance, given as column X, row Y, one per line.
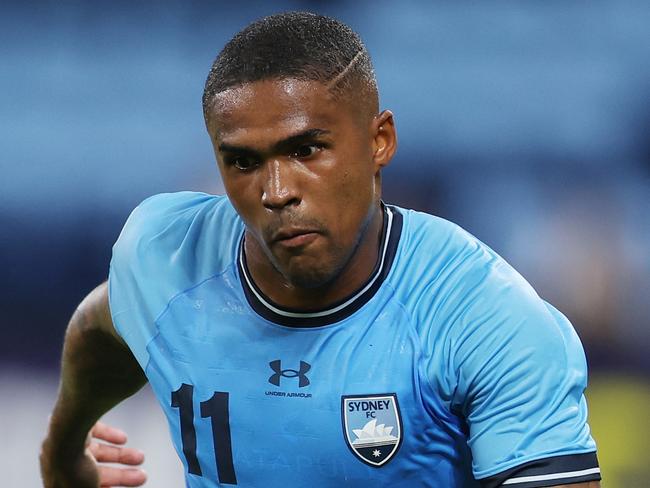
column 265, row 307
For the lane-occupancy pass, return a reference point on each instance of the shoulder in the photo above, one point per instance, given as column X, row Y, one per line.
column 182, row 209
column 169, row 243
column 177, row 221
column 176, row 238
column 437, row 257
column 462, row 295
column 470, row 307
column 448, row 278
column 437, row 242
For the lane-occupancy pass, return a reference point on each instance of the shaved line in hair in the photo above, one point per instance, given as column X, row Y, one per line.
column 337, row 79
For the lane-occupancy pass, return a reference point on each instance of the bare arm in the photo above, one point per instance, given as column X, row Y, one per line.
column 98, row 371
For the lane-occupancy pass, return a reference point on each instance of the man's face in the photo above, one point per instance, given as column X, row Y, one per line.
column 301, row 167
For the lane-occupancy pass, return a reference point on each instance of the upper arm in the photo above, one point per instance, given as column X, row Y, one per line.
column 94, row 348
column 97, row 372
column 95, row 311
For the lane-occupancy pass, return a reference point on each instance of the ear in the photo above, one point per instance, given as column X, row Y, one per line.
column 384, row 138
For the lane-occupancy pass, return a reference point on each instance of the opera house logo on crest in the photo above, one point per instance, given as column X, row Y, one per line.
column 372, row 426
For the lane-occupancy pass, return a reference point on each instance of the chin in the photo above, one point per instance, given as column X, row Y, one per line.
column 309, row 277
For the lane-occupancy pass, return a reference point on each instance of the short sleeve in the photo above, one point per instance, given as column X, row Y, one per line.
column 156, row 255
column 518, row 372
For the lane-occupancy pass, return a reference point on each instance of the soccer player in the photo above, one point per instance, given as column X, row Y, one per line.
column 302, row 332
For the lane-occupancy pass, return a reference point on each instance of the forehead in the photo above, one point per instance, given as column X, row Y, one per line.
column 274, row 107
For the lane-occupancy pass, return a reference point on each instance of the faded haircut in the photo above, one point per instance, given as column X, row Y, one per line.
column 298, row 45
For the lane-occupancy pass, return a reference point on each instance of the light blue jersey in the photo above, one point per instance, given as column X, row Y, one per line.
column 445, row 368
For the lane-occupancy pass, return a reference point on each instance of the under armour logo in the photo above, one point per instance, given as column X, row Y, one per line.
column 276, row 366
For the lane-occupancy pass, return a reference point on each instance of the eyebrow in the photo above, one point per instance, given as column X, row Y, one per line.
column 278, row 146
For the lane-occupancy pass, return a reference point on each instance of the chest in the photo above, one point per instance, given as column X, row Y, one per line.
column 248, row 401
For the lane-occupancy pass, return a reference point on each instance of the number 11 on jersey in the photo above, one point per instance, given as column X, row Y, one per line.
column 216, row 408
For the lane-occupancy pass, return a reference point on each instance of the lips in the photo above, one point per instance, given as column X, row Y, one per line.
column 294, row 237
column 283, row 234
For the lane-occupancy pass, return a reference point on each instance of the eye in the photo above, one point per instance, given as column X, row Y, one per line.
column 305, row 151
column 242, row 163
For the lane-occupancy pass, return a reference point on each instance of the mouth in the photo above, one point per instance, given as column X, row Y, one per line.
column 294, row 238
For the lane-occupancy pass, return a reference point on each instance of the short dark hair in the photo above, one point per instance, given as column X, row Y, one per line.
column 299, row 45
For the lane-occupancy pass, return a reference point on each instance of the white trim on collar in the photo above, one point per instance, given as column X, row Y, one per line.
column 323, row 313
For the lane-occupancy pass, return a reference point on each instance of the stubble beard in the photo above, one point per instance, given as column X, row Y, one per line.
column 323, row 273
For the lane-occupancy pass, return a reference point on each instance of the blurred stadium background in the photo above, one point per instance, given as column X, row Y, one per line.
column 528, row 123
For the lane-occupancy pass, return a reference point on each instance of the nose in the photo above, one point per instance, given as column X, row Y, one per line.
column 279, row 185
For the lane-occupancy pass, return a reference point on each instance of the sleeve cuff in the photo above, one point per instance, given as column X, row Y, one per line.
column 552, row 471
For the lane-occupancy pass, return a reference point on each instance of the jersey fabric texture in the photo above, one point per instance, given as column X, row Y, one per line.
column 445, row 370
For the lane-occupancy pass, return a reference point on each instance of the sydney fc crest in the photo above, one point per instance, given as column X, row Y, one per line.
column 372, row 426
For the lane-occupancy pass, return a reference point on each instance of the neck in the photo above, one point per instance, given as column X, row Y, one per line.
column 354, row 274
